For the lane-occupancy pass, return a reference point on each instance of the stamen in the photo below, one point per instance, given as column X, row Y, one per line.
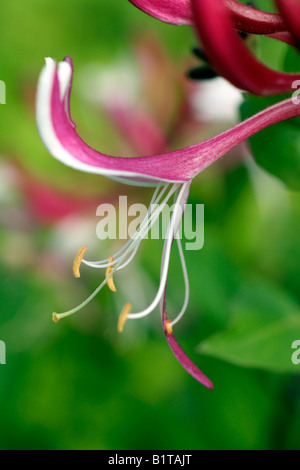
column 168, row 327
column 123, row 316
column 78, row 260
column 110, row 281
column 128, row 251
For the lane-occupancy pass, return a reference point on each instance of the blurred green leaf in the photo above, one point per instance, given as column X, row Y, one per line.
column 277, row 148
column 292, row 60
column 264, row 324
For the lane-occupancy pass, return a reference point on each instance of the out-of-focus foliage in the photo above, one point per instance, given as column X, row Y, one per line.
column 282, row 141
column 80, row 384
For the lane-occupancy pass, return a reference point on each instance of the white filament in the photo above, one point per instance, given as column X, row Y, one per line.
column 132, row 248
column 166, row 258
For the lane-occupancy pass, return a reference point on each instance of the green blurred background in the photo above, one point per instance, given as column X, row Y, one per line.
column 80, row 384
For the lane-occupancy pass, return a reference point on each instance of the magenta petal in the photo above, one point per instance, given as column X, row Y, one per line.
column 177, row 12
column 284, row 36
column 252, row 20
column 290, row 11
column 182, row 357
column 246, row 18
column 58, row 133
column 230, row 56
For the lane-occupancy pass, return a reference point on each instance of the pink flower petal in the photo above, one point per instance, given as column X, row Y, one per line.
column 252, row 20
column 58, row 134
column 246, row 18
column 284, row 36
column 229, row 55
column 182, row 357
column 177, row 12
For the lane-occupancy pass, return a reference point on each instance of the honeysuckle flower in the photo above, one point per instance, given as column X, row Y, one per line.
column 170, row 173
column 230, row 56
column 245, row 17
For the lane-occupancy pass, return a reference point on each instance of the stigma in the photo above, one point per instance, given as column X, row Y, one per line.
column 168, row 327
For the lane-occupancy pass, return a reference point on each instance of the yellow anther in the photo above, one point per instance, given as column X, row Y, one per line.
column 55, row 317
column 123, row 316
column 168, row 327
column 78, row 260
column 110, row 281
